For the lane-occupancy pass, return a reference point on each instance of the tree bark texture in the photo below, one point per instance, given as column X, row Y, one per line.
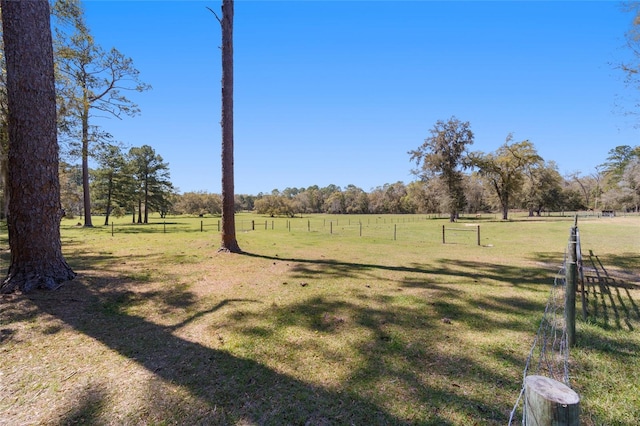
column 229, row 242
column 33, row 185
column 86, row 196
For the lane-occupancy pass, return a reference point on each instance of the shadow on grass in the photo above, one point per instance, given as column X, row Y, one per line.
column 402, row 350
column 609, row 303
column 88, row 409
column 452, row 303
column 629, row 262
column 606, row 295
column 473, row 271
column 235, row 390
column 620, row 348
column 404, row 361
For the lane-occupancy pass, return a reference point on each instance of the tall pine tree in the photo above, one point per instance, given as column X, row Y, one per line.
column 33, row 188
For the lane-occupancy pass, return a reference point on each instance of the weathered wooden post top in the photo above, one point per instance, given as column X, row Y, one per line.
column 548, row 402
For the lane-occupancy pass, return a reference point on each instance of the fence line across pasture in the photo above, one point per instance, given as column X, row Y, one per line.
column 391, row 228
column 404, row 228
column 332, row 222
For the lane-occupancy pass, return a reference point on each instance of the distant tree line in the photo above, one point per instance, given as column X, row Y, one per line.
column 537, row 188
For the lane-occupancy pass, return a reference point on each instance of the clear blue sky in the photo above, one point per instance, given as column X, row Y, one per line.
column 337, row 92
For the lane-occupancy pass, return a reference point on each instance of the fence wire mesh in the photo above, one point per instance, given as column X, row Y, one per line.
column 549, row 354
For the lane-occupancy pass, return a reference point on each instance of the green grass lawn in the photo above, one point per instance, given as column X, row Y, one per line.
column 323, row 320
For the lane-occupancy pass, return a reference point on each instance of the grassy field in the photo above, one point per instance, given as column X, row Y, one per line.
column 323, row 320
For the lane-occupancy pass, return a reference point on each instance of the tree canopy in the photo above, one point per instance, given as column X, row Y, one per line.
column 152, row 181
column 441, row 156
column 505, row 169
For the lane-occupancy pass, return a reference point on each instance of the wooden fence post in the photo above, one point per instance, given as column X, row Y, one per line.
column 548, row 402
column 443, row 234
column 478, row 234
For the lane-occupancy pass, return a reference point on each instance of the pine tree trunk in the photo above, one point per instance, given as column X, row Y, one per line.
column 86, row 196
column 33, row 186
column 229, row 242
column 4, row 152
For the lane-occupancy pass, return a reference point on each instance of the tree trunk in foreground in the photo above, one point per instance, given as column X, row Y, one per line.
column 33, row 186
column 229, row 242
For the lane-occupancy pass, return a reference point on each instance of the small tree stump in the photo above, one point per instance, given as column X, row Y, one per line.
column 548, row 402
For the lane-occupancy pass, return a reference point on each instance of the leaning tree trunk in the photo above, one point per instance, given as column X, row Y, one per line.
column 33, row 185
column 229, row 242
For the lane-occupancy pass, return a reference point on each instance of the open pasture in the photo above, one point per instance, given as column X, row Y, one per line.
column 324, row 320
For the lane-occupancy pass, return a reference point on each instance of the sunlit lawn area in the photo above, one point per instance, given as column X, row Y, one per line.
column 323, row 320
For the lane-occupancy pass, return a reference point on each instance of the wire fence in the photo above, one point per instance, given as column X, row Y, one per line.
column 393, row 227
column 385, row 226
column 549, row 354
column 408, row 228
